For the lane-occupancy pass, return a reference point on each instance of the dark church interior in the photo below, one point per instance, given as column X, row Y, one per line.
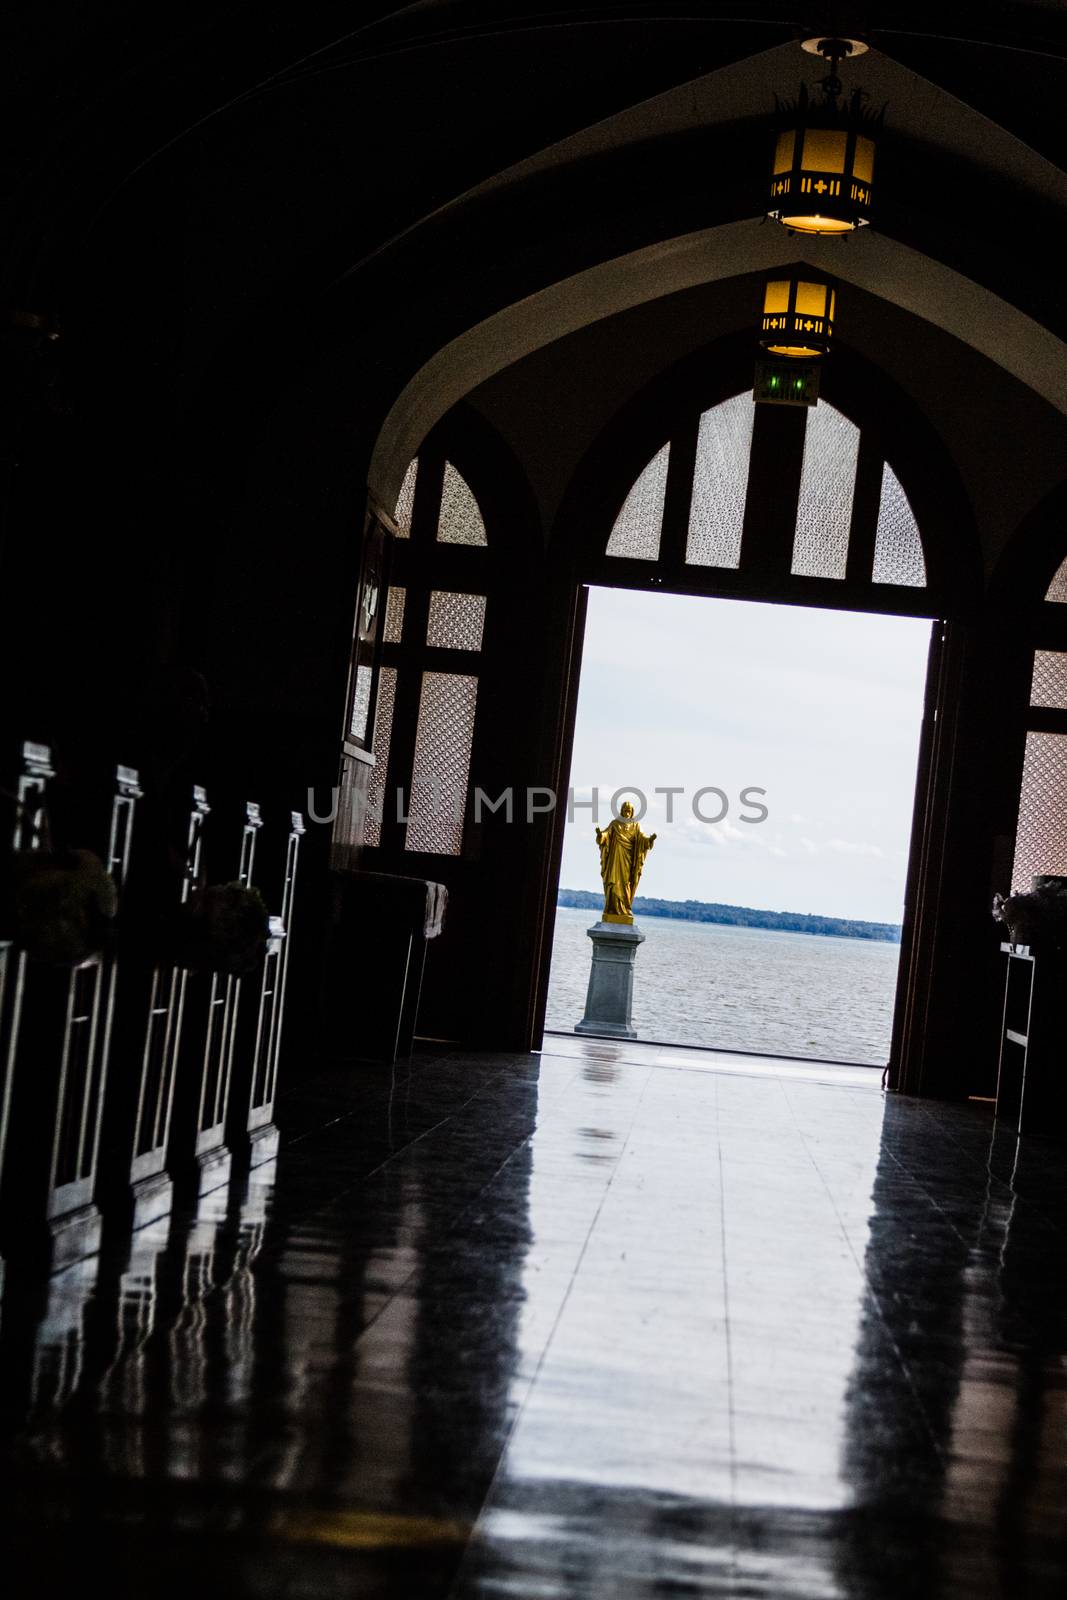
column 343, row 350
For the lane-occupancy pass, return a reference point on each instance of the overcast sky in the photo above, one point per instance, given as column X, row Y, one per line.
column 820, row 708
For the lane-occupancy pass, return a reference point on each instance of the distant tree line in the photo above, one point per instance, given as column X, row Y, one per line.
column 740, row 916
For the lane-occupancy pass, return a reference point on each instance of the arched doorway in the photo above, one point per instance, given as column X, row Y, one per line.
column 692, row 488
column 682, row 529
column 824, row 507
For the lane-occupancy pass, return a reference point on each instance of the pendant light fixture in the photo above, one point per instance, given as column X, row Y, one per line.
column 798, row 315
column 822, row 171
column 796, row 330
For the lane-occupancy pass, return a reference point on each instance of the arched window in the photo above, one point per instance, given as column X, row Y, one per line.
column 459, row 520
column 406, row 500
column 430, row 666
column 1057, row 589
column 636, row 533
column 898, row 550
column 1041, row 832
column 720, row 483
column 1041, row 829
column 845, row 515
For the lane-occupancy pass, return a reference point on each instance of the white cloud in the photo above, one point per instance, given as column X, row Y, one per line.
column 821, row 709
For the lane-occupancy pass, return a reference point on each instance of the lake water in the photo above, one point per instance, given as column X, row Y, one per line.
column 796, row 994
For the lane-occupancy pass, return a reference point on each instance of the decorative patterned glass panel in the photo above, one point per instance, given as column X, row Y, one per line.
column 361, row 702
column 1041, row 838
column 460, row 521
column 638, row 526
column 456, row 620
column 1049, row 686
column 827, row 483
column 442, row 761
column 383, row 732
column 406, row 501
column 1057, row 589
column 394, row 614
column 898, row 550
column 720, row 483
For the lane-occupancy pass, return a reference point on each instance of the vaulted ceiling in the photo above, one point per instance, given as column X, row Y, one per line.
column 227, row 197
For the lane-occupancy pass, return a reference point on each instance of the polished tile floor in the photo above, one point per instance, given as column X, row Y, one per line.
column 609, row 1321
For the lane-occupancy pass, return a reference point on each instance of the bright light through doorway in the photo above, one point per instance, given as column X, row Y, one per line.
column 819, row 710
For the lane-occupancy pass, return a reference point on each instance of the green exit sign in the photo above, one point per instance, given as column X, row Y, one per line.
column 786, row 383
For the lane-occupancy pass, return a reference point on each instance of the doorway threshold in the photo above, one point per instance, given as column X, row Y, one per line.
column 695, row 1058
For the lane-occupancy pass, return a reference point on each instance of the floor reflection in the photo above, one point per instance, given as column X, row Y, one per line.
column 578, row 1326
column 59, row 1346
column 125, row 1394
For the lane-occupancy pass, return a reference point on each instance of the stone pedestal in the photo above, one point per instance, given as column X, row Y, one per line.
column 609, row 1000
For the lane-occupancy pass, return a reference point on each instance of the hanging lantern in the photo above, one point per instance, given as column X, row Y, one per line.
column 798, row 316
column 822, row 178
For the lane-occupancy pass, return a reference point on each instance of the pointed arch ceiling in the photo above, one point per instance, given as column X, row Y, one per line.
column 887, row 268
column 883, row 266
column 735, row 93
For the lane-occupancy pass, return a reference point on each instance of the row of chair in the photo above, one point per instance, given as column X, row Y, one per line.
column 125, row 1075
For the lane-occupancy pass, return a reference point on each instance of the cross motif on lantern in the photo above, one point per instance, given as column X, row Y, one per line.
column 825, row 150
column 798, row 316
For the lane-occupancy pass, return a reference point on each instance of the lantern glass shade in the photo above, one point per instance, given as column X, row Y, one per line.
column 824, row 150
column 798, row 317
column 863, row 163
column 783, row 151
column 776, row 297
column 822, row 175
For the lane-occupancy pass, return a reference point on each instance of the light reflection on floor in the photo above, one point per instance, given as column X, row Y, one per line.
column 585, row 1324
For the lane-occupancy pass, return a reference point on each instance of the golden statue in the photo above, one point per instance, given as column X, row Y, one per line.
column 623, row 848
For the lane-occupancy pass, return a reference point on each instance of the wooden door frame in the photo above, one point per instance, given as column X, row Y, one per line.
column 951, row 600
column 930, row 812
